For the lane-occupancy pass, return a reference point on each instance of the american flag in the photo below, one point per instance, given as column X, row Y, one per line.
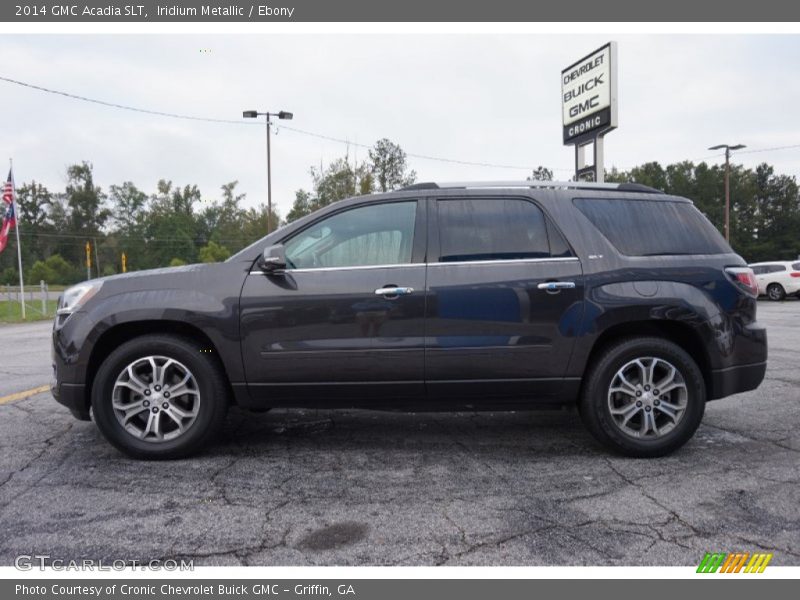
column 9, row 216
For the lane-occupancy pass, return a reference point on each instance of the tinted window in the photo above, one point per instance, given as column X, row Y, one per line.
column 380, row 234
column 491, row 230
column 653, row 227
column 796, row 266
column 776, row 268
column 759, row 270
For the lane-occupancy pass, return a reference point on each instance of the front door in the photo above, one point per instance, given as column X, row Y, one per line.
column 504, row 291
column 344, row 323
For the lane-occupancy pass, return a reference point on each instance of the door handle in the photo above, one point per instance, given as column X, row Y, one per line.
column 393, row 291
column 555, row 286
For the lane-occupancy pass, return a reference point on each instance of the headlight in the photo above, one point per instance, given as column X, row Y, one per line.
column 72, row 299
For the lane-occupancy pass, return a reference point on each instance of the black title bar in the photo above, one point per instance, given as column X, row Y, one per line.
column 48, row 11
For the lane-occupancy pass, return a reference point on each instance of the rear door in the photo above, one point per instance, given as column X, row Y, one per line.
column 504, row 295
column 344, row 323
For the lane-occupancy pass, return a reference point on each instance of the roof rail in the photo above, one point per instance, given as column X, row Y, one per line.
column 578, row 185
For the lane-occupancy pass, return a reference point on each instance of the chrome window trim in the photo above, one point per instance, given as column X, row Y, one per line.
column 352, row 268
column 431, row 264
column 507, row 261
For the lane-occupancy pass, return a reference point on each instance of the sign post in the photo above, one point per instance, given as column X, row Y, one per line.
column 589, row 108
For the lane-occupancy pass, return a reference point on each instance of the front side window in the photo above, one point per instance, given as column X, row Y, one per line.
column 492, row 229
column 379, row 234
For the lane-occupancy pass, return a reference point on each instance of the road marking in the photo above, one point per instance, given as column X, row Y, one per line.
column 23, row 395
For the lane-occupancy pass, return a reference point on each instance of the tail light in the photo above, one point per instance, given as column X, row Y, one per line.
column 795, row 274
column 744, row 278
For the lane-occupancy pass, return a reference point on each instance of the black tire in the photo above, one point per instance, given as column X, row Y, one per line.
column 596, row 413
column 775, row 292
column 210, row 382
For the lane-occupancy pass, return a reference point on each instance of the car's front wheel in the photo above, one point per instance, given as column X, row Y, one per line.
column 159, row 396
column 643, row 397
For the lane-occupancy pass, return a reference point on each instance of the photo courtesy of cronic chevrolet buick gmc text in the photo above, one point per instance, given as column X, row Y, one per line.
column 615, row 298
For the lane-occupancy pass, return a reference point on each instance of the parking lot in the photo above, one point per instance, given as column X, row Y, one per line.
column 378, row 488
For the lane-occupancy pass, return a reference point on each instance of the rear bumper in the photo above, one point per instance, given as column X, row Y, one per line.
column 737, row 379
column 73, row 396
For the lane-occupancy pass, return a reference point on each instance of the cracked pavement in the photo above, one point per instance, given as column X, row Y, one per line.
column 350, row 487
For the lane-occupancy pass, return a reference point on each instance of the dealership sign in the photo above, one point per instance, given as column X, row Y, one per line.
column 589, row 96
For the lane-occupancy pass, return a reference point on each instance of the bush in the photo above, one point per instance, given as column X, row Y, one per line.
column 213, row 252
column 177, row 262
column 61, row 271
column 9, row 276
column 40, row 271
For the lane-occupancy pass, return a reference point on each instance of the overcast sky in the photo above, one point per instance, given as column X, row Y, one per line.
column 483, row 98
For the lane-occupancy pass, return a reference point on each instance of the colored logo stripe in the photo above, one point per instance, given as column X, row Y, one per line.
column 733, row 563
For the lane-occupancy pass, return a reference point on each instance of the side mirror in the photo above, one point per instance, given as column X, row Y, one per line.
column 273, row 258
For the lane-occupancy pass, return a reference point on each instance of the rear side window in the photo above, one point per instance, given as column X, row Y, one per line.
column 653, row 227
column 776, row 268
column 494, row 229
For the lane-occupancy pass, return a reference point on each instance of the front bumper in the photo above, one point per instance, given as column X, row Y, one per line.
column 73, row 396
column 68, row 385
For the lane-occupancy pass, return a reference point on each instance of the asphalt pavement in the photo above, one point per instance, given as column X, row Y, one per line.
column 372, row 488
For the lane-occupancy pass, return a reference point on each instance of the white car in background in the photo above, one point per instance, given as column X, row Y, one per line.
column 777, row 278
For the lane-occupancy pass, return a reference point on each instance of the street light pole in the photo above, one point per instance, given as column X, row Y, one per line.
column 728, row 149
column 269, row 180
column 252, row 114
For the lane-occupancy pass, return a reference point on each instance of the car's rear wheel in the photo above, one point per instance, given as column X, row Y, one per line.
column 643, row 397
column 776, row 292
column 159, row 396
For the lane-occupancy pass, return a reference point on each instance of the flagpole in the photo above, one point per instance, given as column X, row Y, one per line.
column 19, row 248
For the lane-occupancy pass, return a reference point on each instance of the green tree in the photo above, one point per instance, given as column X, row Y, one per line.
column 213, row 252
column 540, row 173
column 338, row 181
column 85, row 200
column 63, row 273
column 40, row 272
column 38, row 240
column 129, row 204
column 171, row 227
column 387, row 163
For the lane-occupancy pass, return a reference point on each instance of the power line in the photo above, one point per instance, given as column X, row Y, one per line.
column 235, row 122
column 320, row 135
column 791, row 146
column 121, row 106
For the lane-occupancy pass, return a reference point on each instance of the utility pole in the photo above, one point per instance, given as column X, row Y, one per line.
column 252, row 114
column 88, row 261
column 269, row 178
column 728, row 149
column 96, row 257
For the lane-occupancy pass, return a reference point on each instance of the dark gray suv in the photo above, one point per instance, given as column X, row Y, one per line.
column 618, row 299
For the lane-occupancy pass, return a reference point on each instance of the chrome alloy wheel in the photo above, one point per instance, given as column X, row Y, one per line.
column 156, row 399
column 647, row 398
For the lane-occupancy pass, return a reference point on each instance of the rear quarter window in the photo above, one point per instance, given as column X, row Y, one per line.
column 653, row 227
